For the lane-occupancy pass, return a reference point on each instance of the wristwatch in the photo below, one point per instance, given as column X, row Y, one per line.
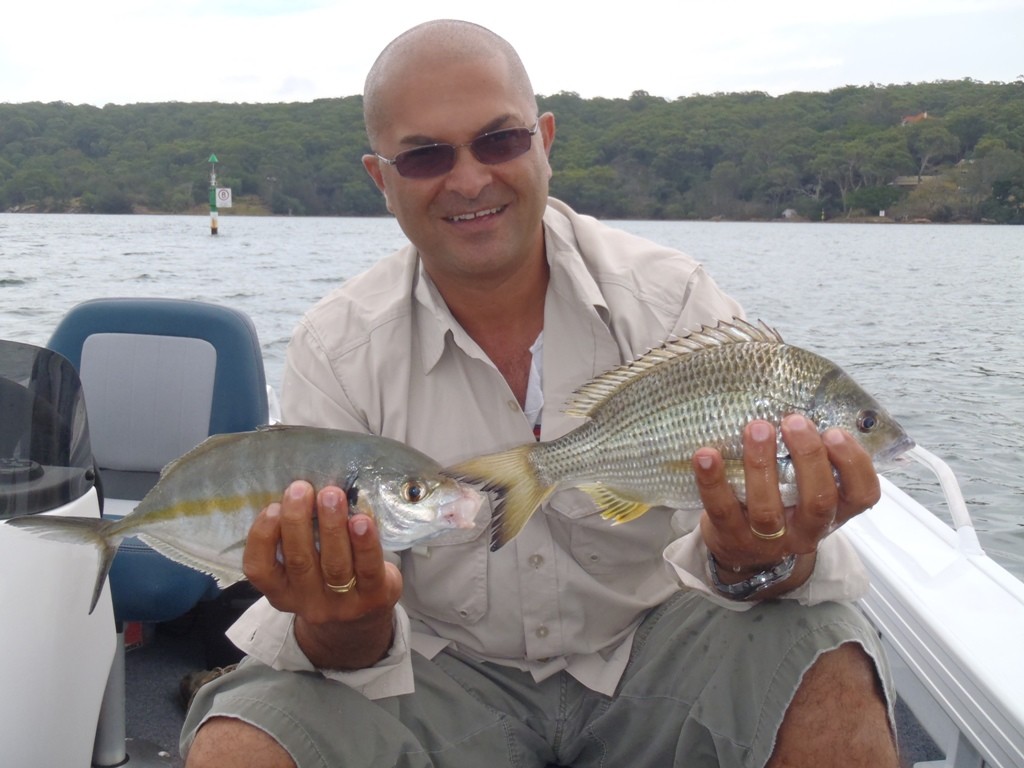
column 759, row 582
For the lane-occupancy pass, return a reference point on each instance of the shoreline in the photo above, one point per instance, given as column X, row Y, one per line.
column 246, row 209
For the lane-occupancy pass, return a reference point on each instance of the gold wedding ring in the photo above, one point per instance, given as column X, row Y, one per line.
column 342, row 588
column 769, row 536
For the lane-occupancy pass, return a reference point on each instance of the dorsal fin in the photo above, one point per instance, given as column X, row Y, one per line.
column 736, row 331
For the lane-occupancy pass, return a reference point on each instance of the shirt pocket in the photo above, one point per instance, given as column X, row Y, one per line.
column 447, row 583
column 601, row 548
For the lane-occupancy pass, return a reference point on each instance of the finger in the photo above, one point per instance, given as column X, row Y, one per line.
column 335, row 547
column 301, row 560
column 859, row 488
column 259, row 559
column 718, row 497
column 765, row 512
column 367, row 554
column 818, row 494
column 723, row 525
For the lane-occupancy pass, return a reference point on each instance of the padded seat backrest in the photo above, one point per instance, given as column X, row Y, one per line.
column 149, row 396
column 159, row 376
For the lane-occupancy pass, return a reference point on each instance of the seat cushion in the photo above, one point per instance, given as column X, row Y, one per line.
column 148, row 397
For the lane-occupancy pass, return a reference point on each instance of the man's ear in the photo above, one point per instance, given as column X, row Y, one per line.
column 372, row 165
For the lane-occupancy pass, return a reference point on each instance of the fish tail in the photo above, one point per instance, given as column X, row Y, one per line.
column 513, row 477
column 77, row 530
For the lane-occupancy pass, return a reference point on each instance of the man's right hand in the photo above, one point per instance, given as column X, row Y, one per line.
column 336, row 628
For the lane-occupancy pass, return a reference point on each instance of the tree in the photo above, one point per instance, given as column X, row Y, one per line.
column 838, row 163
column 593, row 190
column 930, row 142
column 731, row 154
column 968, row 125
column 934, row 200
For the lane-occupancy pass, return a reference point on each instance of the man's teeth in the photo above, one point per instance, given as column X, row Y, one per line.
column 475, row 214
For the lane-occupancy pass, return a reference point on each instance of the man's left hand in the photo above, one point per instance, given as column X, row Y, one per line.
column 730, row 528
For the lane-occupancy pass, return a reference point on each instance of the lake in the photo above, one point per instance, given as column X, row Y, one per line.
column 928, row 318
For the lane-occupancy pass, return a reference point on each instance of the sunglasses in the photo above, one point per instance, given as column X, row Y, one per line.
column 438, row 159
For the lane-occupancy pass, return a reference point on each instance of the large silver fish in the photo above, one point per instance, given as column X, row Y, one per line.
column 200, row 511
column 647, row 418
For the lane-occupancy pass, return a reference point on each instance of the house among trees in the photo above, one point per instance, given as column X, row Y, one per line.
column 911, row 119
column 909, row 182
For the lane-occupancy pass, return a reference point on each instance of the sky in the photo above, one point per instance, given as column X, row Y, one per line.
column 135, row 51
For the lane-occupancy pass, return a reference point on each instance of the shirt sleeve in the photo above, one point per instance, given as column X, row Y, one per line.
column 705, row 303
column 838, row 572
column 268, row 635
column 311, row 393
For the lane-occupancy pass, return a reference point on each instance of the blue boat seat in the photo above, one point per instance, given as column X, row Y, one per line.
column 159, row 376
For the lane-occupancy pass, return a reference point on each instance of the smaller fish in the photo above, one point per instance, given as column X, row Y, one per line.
column 200, row 511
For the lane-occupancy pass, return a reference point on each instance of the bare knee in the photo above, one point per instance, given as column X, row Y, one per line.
column 838, row 716
column 225, row 742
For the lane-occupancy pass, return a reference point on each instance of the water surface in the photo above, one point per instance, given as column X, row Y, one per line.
column 928, row 318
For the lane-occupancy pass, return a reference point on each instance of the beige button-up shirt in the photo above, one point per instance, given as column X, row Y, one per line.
column 382, row 354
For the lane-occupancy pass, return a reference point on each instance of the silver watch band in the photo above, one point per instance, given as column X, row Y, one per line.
column 756, row 583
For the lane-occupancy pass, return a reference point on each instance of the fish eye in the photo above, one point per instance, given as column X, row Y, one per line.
column 867, row 420
column 414, row 491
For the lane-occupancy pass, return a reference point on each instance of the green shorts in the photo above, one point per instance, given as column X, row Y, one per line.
column 704, row 686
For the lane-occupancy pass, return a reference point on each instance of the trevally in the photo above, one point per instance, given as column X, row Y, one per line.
column 200, row 511
column 645, row 420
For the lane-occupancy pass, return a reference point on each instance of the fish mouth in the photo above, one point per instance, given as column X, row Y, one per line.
column 475, row 215
column 462, row 511
column 896, row 455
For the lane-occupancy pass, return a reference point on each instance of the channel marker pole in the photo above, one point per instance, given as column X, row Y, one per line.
column 213, row 194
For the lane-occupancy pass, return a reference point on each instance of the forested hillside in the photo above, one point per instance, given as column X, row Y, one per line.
column 948, row 150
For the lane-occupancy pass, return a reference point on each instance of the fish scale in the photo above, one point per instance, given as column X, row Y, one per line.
column 628, row 446
column 645, row 419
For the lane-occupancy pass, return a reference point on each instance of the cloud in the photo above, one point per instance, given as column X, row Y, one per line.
column 124, row 51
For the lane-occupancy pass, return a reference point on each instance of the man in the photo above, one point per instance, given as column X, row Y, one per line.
column 574, row 643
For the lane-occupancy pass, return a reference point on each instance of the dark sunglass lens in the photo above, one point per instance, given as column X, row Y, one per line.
column 500, row 146
column 423, row 162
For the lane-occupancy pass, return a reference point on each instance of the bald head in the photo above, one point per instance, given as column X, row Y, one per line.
column 443, row 40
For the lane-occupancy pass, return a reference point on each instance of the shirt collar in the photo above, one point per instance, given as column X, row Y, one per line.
column 434, row 322
column 569, row 274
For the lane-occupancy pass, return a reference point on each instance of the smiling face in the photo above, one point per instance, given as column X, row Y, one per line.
column 477, row 223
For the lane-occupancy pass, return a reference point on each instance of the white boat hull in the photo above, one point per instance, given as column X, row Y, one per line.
column 953, row 623
column 56, row 658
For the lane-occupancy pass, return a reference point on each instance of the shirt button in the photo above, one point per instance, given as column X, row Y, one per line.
column 536, row 561
column 512, row 405
column 541, row 632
